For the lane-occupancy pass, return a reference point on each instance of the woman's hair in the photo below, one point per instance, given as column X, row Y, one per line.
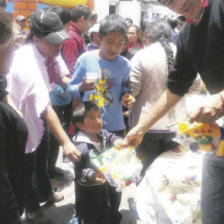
column 7, row 34
column 138, row 32
column 63, row 13
column 79, row 113
column 160, row 31
column 113, row 23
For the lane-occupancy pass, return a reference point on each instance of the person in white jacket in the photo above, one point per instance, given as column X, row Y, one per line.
column 148, row 80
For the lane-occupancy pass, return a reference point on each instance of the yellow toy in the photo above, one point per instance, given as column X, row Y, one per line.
column 200, row 136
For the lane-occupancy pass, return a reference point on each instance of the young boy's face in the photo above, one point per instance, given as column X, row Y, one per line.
column 92, row 123
column 111, row 45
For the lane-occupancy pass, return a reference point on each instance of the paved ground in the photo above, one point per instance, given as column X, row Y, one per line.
column 62, row 212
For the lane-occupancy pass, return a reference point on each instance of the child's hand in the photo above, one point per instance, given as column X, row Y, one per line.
column 127, row 100
column 87, row 85
column 120, row 143
column 98, row 177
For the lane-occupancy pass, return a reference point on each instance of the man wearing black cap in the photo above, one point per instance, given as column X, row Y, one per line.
column 35, row 69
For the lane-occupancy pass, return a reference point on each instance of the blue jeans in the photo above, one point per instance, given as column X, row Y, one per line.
column 212, row 193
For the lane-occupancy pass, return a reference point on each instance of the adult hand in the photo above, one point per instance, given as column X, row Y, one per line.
column 120, row 143
column 127, row 100
column 134, row 136
column 210, row 112
column 71, row 152
column 98, row 177
column 87, row 85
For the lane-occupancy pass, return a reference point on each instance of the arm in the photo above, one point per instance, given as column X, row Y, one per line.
column 162, row 106
column 7, row 99
column 84, row 170
column 211, row 111
column 70, row 53
column 55, row 127
column 136, row 75
column 79, row 83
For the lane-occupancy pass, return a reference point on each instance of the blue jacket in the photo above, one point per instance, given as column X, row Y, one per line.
column 89, row 65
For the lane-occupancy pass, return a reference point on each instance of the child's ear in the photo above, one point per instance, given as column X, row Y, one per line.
column 79, row 125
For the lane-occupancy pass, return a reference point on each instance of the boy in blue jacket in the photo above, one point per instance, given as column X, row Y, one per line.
column 105, row 62
column 96, row 201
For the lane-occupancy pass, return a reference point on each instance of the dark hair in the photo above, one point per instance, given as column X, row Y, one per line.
column 3, row 4
column 130, row 20
column 80, row 11
column 6, row 28
column 181, row 19
column 79, row 113
column 113, row 23
column 63, row 13
column 173, row 23
column 160, row 31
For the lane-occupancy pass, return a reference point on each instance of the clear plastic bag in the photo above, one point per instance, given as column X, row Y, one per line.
column 120, row 167
column 199, row 136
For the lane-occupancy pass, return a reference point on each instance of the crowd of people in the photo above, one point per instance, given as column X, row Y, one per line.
column 51, row 65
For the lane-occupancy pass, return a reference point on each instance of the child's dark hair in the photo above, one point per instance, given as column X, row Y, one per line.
column 63, row 13
column 80, row 11
column 79, row 112
column 113, row 23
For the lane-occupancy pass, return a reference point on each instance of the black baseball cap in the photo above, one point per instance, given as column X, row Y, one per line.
column 48, row 25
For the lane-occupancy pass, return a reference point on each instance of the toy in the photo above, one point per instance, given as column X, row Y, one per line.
column 120, row 167
column 102, row 96
column 199, row 136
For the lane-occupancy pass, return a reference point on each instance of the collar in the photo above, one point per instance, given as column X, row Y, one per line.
column 194, row 21
column 74, row 27
column 83, row 137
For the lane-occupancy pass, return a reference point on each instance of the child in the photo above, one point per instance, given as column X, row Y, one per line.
column 96, row 201
column 114, row 68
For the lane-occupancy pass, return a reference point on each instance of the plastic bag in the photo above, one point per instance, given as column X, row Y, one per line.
column 199, row 136
column 120, row 167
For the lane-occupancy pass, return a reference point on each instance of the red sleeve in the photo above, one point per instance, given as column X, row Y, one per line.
column 70, row 53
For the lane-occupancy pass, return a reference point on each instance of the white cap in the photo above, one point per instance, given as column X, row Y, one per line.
column 20, row 18
column 95, row 28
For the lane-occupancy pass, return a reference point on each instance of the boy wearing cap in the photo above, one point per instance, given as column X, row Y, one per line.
column 35, row 69
column 94, row 37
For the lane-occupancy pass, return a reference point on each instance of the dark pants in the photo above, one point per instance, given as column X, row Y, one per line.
column 64, row 114
column 37, row 179
column 98, row 204
column 212, row 192
column 153, row 145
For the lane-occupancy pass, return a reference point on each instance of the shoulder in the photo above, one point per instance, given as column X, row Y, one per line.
column 123, row 60
column 88, row 56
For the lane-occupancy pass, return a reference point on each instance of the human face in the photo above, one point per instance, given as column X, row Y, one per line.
column 47, row 49
column 92, row 123
column 132, row 36
column 189, row 8
column 83, row 24
column 6, row 55
column 128, row 23
column 111, row 45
